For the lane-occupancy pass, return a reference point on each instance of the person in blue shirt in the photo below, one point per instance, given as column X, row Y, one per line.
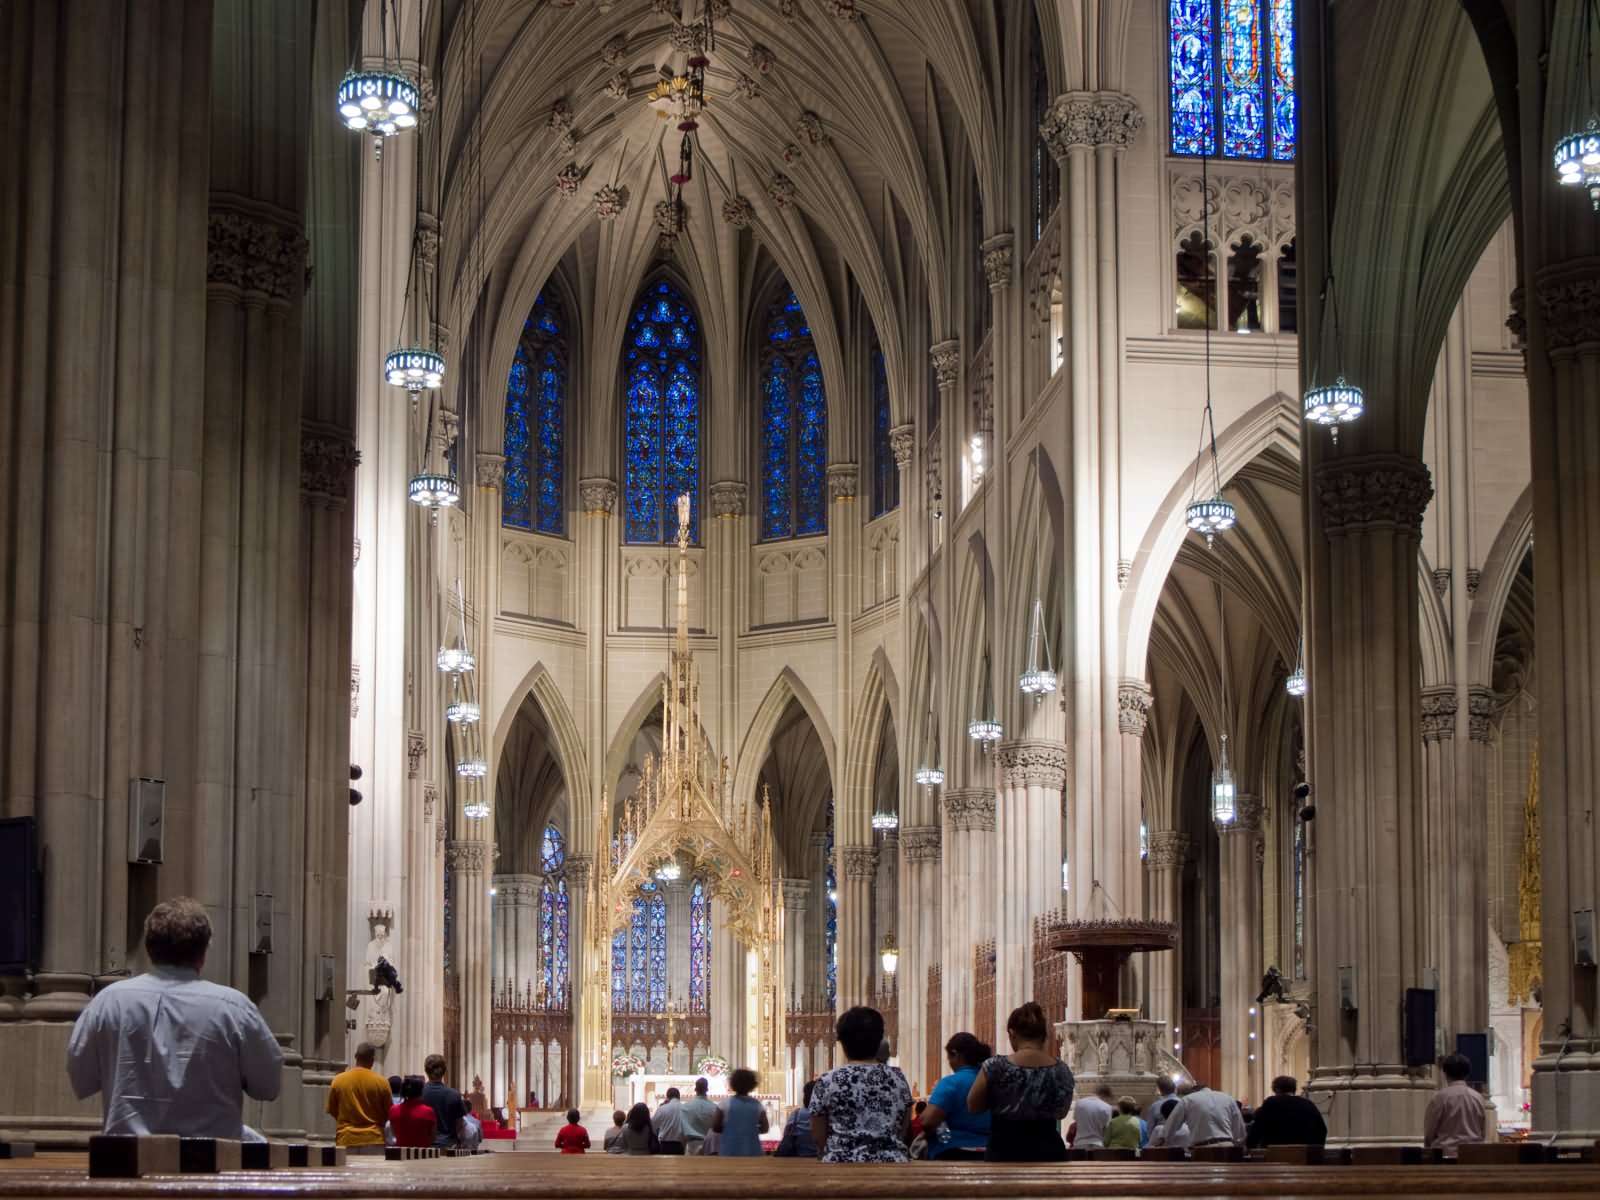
column 953, row 1133
column 797, row 1140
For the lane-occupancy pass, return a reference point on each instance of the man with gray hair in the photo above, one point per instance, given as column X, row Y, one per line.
column 171, row 1052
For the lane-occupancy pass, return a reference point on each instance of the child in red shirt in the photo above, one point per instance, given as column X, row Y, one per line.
column 411, row 1121
column 573, row 1138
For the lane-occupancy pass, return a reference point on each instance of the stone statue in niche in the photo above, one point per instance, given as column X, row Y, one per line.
column 380, row 1008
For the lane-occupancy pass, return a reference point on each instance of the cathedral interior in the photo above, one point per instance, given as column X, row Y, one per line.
column 664, row 520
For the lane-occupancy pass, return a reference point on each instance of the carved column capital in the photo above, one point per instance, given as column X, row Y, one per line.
column 491, row 469
column 518, row 891
column 920, row 843
column 1083, row 120
column 860, row 862
column 842, row 481
column 902, row 440
column 970, row 810
column 598, row 496
column 796, row 892
column 1569, row 295
column 328, row 462
column 1482, row 714
column 946, row 357
column 255, row 253
column 1439, row 713
column 1387, row 492
column 466, row 855
column 1034, row 764
column 998, row 254
column 1169, row 850
column 1134, row 701
column 728, row 498
column 1248, row 816
column 579, row 868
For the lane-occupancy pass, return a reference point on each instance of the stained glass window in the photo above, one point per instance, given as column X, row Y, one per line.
column 639, row 955
column 885, row 474
column 658, row 954
column 554, row 912
column 794, row 427
column 532, row 494
column 831, row 928
column 1299, row 900
column 1232, row 71
column 699, row 947
column 1046, row 177
column 661, row 423
column 619, row 971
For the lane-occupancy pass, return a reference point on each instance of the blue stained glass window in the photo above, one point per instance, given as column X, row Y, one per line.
column 661, row 424
column 554, row 912
column 619, row 971
column 831, row 929
column 533, row 490
column 638, row 956
column 658, row 954
column 794, row 428
column 699, row 947
column 885, row 474
column 552, row 851
column 1232, row 69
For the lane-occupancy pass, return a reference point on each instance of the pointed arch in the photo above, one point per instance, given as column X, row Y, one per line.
column 1500, row 569
column 753, row 748
column 541, row 686
column 853, row 802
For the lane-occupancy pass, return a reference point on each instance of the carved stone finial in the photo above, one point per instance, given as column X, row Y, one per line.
column 568, row 179
column 728, row 498
column 598, row 496
column 614, row 50
column 1375, row 492
column 1134, row 701
column 842, row 481
column 902, row 441
column 760, row 58
column 997, row 259
column 946, row 357
column 616, row 85
column 1089, row 119
column 670, row 217
column 809, row 129
column 746, row 87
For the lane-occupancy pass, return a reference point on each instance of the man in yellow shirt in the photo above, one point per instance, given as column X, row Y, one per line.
column 359, row 1100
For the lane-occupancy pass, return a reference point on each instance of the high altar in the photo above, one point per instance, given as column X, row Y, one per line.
column 682, row 820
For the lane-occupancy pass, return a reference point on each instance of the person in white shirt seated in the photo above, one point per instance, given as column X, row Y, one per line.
column 1164, row 1132
column 170, row 1052
column 1213, row 1118
column 1092, row 1114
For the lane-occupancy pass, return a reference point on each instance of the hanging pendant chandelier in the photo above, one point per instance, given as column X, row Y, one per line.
column 1224, row 795
column 381, row 103
column 462, row 712
column 432, row 491
column 1038, row 676
column 984, row 730
column 1209, row 515
column 1295, row 682
column 890, row 955
column 472, row 768
column 1577, row 155
column 885, row 822
column 475, row 809
column 928, row 775
column 1334, row 404
column 415, row 368
column 455, row 660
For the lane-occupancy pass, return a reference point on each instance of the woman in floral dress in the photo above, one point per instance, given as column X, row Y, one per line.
column 861, row 1111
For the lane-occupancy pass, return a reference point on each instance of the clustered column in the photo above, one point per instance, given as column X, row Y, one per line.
column 1028, row 842
column 1169, row 854
column 967, row 897
column 858, row 867
column 1239, row 886
column 796, row 943
column 921, row 900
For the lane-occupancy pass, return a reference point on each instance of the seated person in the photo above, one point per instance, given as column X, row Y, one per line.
column 613, row 1142
column 954, row 1133
column 1124, row 1131
column 1285, row 1119
column 573, row 1138
column 171, row 1052
column 411, row 1121
column 797, row 1141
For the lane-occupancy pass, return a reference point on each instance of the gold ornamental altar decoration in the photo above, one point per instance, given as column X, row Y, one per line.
column 681, row 822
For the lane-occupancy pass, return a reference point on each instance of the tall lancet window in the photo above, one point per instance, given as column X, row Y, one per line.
column 885, row 473
column 661, row 421
column 554, row 911
column 699, row 947
column 794, row 427
column 532, row 495
column 1232, row 68
column 830, row 939
column 1046, row 178
column 639, row 955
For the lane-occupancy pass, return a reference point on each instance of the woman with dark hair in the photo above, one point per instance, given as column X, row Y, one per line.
column 861, row 1111
column 1028, row 1092
column 741, row 1119
column 637, row 1135
column 954, row 1133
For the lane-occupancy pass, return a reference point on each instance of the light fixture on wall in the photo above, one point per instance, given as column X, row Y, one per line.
column 1224, row 792
column 1208, row 515
column 384, row 100
column 1295, row 683
column 890, row 956
column 1578, row 154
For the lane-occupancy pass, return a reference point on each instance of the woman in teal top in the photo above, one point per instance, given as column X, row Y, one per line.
column 741, row 1119
column 953, row 1133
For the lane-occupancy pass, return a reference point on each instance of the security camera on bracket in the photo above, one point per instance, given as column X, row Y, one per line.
column 1302, row 795
column 381, row 976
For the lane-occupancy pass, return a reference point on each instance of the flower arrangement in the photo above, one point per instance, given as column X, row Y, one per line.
column 625, row 1064
column 712, row 1065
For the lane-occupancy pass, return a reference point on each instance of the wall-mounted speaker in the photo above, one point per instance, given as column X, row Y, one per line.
column 325, row 971
column 1347, row 989
column 147, row 804
column 1583, row 937
column 1419, row 1036
column 261, row 924
column 1474, row 1047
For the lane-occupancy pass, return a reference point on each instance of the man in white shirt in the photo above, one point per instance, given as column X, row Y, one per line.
column 1213, row 1117
column 171, row 1052
column 668, row 1123
column 1093, row 1114
column 697, row 1115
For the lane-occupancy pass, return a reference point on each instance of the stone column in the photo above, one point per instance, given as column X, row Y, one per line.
column 1028, row 843
column 1364, row 524
column 1449, row 892
column 1134, row 700
column 469, row 860
column 856, row 869
column 885, row 906
column 921, row 898
column 967, row 898
column 1563, row 357
column 796, row 946
column 1239, row 891
column 517, row 959
column 1169, row 854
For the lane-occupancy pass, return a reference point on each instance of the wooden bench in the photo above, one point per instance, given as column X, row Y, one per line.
column 1500, row 1153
